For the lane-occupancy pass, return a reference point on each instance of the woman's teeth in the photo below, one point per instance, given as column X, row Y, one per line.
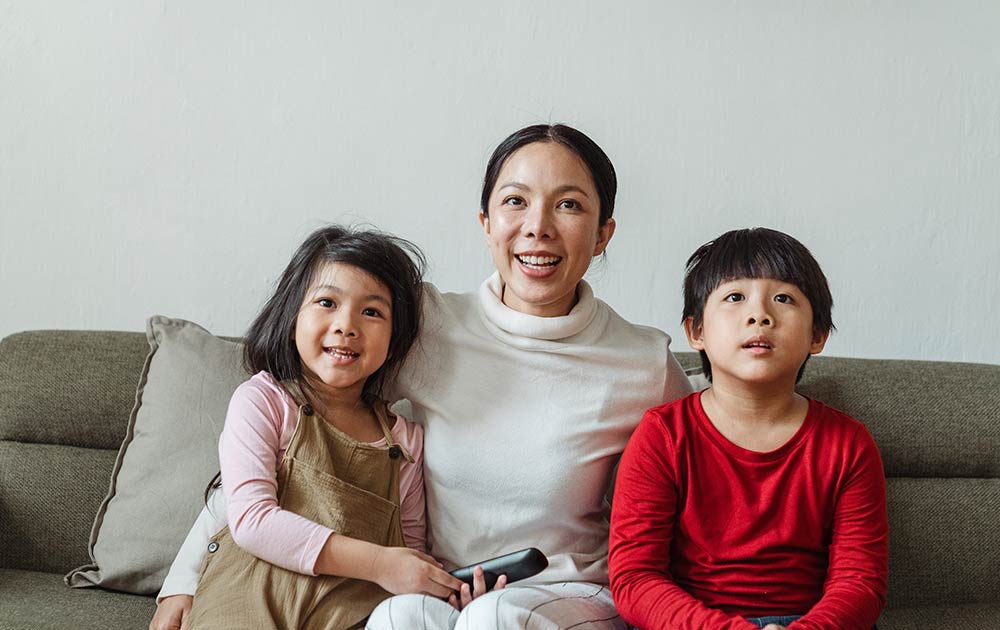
column 538, row 262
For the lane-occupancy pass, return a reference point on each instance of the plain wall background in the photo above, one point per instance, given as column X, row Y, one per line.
column 167, row 157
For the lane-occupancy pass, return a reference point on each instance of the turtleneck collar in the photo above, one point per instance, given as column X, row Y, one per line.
column 519, row 324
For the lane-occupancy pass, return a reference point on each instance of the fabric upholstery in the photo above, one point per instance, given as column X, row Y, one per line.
column 82, row 383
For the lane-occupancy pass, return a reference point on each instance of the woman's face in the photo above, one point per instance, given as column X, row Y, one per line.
column 543, row 228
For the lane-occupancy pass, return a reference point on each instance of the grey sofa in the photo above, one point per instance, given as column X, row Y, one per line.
column 65, row 398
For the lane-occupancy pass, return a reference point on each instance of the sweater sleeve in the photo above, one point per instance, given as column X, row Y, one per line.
column 642, row 522
column 855, row 586
column 182, row 579
column 677, row 384
column 248, row 456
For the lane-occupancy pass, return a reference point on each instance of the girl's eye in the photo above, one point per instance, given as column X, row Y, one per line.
column 734, row 297
column 325, row 302
column 513, row 200
column 371, row 312
column 783, row 298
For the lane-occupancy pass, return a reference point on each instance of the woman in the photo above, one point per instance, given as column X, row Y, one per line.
column 528, row 390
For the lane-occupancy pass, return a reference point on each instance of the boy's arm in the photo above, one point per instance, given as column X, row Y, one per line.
column 854, row 591
column 642, row 521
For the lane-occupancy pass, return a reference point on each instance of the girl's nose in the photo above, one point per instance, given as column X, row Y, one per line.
column 344, row 325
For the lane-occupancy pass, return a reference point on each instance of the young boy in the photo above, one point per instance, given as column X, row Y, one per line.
column 748, row 505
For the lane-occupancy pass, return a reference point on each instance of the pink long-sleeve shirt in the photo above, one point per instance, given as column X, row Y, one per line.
column 259, row 425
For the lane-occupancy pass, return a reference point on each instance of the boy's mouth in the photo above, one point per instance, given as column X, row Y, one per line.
column 758, row 342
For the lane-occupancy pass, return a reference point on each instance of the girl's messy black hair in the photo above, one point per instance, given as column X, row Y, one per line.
column 755, row 253
column 395, row 262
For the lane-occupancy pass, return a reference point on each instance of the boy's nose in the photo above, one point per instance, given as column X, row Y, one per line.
column 764, row 320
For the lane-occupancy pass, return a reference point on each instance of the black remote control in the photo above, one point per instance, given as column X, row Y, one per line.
column 516, row 566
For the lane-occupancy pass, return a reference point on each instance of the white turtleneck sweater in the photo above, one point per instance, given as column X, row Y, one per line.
column 524, row 419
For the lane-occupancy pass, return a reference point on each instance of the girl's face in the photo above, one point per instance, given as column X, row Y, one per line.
column 543, row 228
column 343, row 329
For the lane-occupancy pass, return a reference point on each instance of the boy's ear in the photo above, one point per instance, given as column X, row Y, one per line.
column 693, row 334
column 819, row 341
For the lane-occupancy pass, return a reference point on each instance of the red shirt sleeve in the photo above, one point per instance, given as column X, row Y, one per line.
column 855, row 586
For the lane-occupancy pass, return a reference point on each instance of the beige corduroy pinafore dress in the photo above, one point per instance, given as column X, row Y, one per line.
column 329, row 477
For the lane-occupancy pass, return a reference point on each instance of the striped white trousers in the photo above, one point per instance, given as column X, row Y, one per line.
column 577, row 605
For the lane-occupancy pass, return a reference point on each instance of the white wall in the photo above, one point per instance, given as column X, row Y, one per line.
column 167, row 157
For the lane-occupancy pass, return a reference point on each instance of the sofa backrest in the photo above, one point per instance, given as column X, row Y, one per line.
column 65, row 398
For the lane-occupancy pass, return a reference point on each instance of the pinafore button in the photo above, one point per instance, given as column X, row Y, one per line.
column 395, row 452
column 307, row 409
column 213, row 547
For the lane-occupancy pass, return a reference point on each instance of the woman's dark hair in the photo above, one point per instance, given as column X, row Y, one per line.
column 755, row 253
column 395, row 262
column 602, row 171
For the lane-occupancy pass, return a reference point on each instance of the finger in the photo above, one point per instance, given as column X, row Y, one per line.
column 478, row 581
column 186, row 619
column 465, row 594
column 446, row 579
column 501, row 582
column 454, row 601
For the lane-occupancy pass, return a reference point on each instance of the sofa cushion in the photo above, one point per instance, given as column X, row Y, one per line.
column 69, row 387
column 38, row 600
column 168, row 454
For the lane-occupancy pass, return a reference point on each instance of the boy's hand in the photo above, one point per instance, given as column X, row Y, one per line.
column 773, row 626
column 172, row 613
column 466, row 595
column 401, row 570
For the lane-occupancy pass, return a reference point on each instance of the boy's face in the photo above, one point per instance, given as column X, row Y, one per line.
column 756, row 331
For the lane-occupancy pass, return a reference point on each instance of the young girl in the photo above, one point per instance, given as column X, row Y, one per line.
column 323, row 485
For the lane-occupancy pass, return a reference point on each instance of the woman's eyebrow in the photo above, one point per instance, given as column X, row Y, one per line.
column 560, row 190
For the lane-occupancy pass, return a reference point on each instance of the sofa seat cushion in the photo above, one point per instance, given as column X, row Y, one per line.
column 33, row 599
column 966, row 616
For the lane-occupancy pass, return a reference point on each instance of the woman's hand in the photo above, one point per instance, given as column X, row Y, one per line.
column 401, row 570
column 172, row 613
column 466, row 595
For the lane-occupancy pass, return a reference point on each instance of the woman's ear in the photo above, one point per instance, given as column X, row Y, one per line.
column 694, row 334
column 484, row 221
column 604, row 234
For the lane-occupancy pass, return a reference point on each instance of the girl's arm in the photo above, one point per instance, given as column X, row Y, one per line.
column 642, row 521
column 854, row 591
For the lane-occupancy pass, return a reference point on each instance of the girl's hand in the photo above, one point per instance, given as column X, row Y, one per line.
column 172, row 613
column 401, row 570
column 479, row 583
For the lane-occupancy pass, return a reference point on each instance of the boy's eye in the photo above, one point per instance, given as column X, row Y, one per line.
column 734, row 297
column 325, row 302
column 783, row 298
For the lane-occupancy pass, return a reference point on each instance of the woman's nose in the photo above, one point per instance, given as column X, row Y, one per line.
column 537, row 223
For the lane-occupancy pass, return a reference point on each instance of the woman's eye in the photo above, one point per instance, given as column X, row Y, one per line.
column 325, row 302
column 569, row 204
column 513, row 200
column 734, row 297
column 783, row 298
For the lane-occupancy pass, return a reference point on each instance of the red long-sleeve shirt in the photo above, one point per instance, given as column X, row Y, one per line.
column 705, row 533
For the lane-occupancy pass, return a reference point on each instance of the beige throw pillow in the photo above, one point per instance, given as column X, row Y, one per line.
column 169, row 454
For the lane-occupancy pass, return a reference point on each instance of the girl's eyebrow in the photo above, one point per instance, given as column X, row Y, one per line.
column 329, row 288
column 560, row 190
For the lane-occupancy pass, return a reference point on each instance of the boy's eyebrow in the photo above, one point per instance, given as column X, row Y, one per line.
column 560, row 190
column 324, row 288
